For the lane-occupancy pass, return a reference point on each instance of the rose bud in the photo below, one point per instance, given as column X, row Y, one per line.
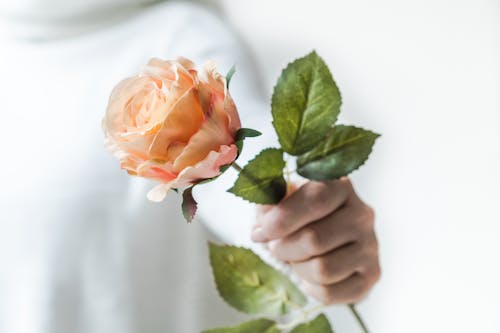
column 172, row 124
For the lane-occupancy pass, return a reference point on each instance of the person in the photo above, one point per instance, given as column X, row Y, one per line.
column 81, row 249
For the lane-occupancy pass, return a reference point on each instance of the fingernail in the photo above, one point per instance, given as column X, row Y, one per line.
column 258, row 235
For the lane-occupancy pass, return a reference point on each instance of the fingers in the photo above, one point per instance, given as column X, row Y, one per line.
column 262, row 209
column 350, row 290
column 326, row 233
column 310, row 202
column 336, row 265
column 332, row 279
column 347, row 225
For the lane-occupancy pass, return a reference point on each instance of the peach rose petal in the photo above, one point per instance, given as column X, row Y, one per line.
column 186, row 63
column 181, row 123
column 120, row 97
column 213, row 78
column 158, row 193
column 212, row 134
column 172, row 73
column 212, row 82
column 154, row 170
column 131, row 163
column 139, row 146
column 208, row 168
column 234, row 118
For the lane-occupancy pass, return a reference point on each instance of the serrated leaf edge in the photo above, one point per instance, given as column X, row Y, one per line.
column 355, row 169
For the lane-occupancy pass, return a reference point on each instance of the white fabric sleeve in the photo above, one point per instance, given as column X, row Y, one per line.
column 229, row 217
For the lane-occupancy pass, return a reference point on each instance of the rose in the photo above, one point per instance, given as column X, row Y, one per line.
column 172, row 124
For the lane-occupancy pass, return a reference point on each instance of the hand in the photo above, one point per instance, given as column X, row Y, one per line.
column 326, row 233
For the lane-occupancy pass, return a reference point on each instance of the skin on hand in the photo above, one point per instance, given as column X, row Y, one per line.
column 326, row 233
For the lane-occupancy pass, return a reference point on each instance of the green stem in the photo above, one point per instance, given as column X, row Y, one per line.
column 287, row 173
column 360, row 321
column 236, row 166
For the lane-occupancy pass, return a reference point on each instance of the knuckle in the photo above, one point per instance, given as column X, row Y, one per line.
column 374, row 273
column 324, row 294
column 367, row 217
column 368, row 214
column 359, row 250
column 362, row 287
column 312, row 241
column 316, row 191
column 320, row 270
column 346, row 183
column 276, row 227
column 369, row 247
column 364, row 220
column 367, row 252
column 273, row 247
column 367, row 282
column 366, row 249
column 328, row 297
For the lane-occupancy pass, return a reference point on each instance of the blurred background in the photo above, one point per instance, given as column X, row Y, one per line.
column 426, row 75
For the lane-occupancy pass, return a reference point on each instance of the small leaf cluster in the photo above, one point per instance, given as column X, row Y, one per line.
column 305, row 106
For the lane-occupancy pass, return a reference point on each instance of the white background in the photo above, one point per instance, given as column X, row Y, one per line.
column 426, row 75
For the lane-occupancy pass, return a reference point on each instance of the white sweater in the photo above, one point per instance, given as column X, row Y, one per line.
column 81, row 248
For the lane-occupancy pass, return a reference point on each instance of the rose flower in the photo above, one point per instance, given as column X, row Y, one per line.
column 172, row 124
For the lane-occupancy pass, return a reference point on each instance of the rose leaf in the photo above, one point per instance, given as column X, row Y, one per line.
column 242, row 134
column 261, row 180
column 229, row 75
column 305, row 104
column 320, row 324
column 250, row 285
column 253, row 326
column 189, row 204
column 344, row 150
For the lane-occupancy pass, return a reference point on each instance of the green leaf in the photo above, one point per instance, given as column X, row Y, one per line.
column 252, row 326
column 344, row 150
column 320, row 324
column 229, row 75
column 242, row 134
column 189, row 205
column 305, row 104
column 250, row 285
column 261, row 180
